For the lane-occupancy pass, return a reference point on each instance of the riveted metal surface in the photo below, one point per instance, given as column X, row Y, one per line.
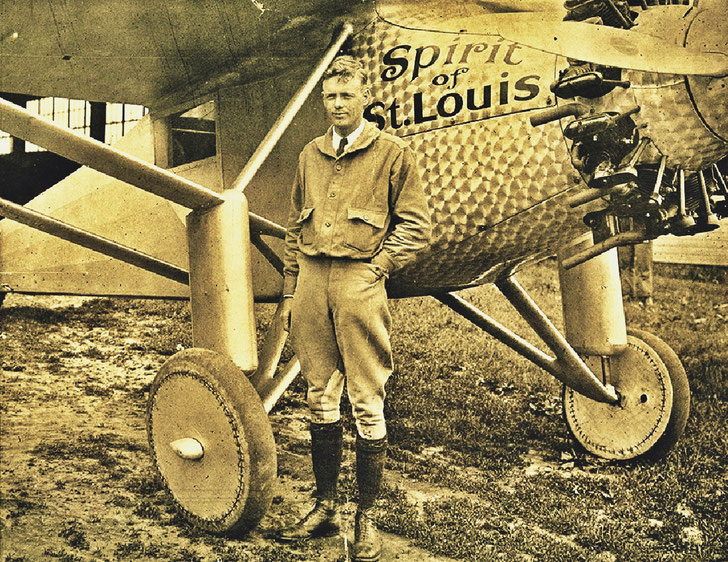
column 671, row 121
column 492, row 179
column 667, row 117
column 668, row 114
column 479, row 174
column 481, row 258
column 424, row 81
column 709, row 32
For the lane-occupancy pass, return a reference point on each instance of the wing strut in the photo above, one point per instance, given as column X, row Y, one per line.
column 54, row 227
column 218, row 228
column 30, row 127
column 289, row 112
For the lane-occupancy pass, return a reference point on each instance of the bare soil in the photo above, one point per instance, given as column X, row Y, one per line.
column 77, row 481
column 481, row 464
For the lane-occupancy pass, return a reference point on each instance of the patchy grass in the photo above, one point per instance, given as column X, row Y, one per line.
column 74, row 535
column 481, row 465
column 478, row 404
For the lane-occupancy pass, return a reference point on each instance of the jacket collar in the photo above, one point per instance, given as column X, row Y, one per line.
column 325, row 142
column 351, row 137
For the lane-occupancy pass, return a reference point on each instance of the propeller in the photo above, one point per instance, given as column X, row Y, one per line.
column 613, row 46
column 546, row 31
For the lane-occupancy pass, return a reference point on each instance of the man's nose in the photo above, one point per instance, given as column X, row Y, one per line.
column 338, row 101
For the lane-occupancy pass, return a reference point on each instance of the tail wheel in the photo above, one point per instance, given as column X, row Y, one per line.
column 211, row 441
column 653, row 408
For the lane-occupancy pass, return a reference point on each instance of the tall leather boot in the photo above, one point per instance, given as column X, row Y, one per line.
column 324, row 520
column 370, row 457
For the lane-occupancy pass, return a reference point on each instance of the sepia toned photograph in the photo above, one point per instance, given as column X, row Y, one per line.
column 363, row 280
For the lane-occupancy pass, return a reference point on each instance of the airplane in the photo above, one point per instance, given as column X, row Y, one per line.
column 538, row 129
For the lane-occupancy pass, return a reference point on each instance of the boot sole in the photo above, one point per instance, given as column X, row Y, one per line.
column 321, row 535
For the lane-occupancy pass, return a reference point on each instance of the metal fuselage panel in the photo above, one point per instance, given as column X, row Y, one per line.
column 496, row 185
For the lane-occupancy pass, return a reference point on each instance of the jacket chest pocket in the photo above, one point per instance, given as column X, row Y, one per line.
column 305, row 221
column 365, row 229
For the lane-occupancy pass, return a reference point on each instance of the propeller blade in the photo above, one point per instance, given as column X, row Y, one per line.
column 546, row 31
column 612, row 46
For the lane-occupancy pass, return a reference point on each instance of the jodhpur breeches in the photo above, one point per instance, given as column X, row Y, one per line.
column 340, row 325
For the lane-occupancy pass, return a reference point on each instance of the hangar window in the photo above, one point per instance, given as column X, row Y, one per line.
column 120, row 118
column 106, row 122
column 6, row 143
column 193, row 134
column 74, row 114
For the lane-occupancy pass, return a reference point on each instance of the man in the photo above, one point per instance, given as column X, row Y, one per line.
column 358, row 213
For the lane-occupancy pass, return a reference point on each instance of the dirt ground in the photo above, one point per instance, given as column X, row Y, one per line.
column 77, row 481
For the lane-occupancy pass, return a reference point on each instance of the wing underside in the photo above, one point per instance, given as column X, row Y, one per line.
column 139, row 52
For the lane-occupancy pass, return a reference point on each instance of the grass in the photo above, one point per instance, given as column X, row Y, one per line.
column 487, row 470
column 456, row 387
column 444, row 393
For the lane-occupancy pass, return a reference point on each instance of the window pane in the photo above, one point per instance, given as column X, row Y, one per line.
column 46, row 107
column 134, row 112
column 5, row 143
column 60, row 114
column 193, row 134
column 114, row 112
column 76, row 115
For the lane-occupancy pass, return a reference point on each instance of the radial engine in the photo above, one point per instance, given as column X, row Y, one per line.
column 648, row 145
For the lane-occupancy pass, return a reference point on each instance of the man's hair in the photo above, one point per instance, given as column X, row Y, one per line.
column 346, row 67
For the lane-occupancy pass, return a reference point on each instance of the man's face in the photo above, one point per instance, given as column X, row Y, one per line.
column 345, row 102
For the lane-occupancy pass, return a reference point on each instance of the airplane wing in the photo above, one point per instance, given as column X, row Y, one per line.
column 138, row 51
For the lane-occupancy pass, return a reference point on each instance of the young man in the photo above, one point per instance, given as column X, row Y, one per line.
column 358, row 213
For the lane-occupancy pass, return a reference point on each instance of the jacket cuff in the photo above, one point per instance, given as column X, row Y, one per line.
column 385, row 262
column 289, row 284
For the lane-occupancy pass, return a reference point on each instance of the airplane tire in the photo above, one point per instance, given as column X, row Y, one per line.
column 202, row 396
column 680, row 393
column 653, row 407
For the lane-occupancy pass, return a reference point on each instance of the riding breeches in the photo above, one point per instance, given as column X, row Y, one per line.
column 340, row 325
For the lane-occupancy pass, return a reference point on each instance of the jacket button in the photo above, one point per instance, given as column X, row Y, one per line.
column 338, row 167
column 332, row 195
column 328, row 224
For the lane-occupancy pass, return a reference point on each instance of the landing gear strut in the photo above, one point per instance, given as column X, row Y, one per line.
column 625, row 391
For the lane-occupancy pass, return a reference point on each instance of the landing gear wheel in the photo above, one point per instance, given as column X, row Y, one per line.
column 211, row 441
column 653, row 406
column 680, row 393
